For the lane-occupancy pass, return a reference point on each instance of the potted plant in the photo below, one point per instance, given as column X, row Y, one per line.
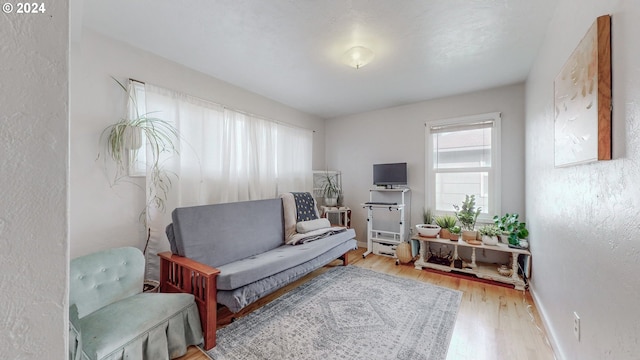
column 330, row 189
column 427, row 216
column 518, row 235
column 445, row 222
column 122, row 140
column 490, row 234
column 467, row 214
column 512, row 229
column 455, row 233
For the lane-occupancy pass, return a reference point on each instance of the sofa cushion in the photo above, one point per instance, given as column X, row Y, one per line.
column 238, row 298
column 305, row 206
column 220, row 234
column 258, row 266
column 142, row 327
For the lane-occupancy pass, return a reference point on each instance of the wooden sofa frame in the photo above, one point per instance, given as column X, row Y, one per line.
column 179, row 274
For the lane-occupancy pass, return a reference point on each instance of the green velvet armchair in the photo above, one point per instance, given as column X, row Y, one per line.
column 111, row 318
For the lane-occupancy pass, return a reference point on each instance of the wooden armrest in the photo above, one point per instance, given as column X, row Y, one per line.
column 181, row 274
column 203, row 269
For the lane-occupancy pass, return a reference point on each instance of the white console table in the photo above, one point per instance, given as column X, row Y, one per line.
column 479, row 269
column 340, row 216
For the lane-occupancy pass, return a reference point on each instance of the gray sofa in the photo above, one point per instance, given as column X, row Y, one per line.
column 235, row 253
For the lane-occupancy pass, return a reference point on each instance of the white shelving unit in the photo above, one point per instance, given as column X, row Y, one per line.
column 383, row 235
column 479, row 269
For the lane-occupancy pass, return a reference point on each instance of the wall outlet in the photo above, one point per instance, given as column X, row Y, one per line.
column 576, row 326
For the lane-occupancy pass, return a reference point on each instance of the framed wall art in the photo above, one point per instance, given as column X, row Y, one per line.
column 582, row 100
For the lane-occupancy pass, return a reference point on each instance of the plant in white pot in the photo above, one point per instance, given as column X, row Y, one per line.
column 490, row 234
column 467, row 214
column 330, row 189
column 513, row 231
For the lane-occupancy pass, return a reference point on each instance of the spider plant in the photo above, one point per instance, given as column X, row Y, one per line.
column 123, row 138
column 330, row 189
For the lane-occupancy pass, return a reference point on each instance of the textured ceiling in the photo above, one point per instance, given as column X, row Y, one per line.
column 290, row 50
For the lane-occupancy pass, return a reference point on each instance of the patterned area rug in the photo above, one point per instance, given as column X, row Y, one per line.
column 346, row 313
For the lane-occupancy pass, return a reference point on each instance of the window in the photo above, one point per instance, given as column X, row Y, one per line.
column 463, row 157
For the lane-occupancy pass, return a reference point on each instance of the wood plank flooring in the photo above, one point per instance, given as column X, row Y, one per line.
column 494, row 322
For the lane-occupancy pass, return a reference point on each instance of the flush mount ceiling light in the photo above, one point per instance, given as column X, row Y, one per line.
column 357, row 57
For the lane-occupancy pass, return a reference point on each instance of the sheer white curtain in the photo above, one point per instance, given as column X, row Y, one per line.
column 295, row 147
column 224, row 156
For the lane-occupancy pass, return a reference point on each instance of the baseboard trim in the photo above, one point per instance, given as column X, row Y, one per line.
column 543, row 317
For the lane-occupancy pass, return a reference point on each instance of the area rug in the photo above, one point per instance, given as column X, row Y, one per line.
column 346, row 313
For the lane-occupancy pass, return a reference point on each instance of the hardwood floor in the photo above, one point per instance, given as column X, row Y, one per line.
column 494, row 321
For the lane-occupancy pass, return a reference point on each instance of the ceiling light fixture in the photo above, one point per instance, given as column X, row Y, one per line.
column 357, row 57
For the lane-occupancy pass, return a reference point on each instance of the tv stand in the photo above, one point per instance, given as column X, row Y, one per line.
column 381, row 239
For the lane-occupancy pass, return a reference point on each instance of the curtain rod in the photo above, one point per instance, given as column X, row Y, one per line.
column 138, row 81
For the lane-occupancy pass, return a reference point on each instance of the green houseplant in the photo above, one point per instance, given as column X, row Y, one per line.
column 427, row 216
column 123, row 138
column 490, row 234
column 455, row 233
column 330, row 189
column 445, row 222
column 511, row 227
column 467, row 214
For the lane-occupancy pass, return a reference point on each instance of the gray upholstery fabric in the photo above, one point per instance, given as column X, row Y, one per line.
column 254, row 268
column 245, row 240
column 220, row 234
column 236, row 299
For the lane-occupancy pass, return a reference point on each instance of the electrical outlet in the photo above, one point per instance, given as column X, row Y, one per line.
column 576, row 326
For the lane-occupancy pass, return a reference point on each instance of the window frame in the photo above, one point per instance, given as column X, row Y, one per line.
column 494, row 171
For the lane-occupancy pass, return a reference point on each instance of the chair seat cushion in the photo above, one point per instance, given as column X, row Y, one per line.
column 251, row 269
column 142, row 326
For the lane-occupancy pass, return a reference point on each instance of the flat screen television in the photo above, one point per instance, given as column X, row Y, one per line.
column 390, row 175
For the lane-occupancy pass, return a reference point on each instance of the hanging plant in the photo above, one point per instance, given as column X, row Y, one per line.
column 123, row 139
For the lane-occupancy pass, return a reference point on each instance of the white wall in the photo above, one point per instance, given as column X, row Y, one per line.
column 34, row 260
column 104, row 217
column 583, row 220
column 354, row 143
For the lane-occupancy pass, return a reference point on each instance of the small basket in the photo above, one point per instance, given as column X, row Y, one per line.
column 151, row 286
column 504, row 271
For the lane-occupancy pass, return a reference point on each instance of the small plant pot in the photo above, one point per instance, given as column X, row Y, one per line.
column 445, row 234
column 490, row 240
column 469, row 235
column 331, row 201
column 454, row 237
column 428, row 230
column 504, row 238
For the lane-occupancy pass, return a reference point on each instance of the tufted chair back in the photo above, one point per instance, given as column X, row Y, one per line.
column 102, row 278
